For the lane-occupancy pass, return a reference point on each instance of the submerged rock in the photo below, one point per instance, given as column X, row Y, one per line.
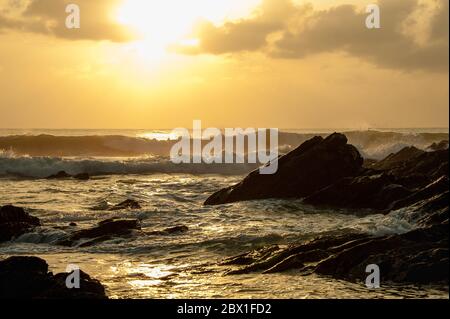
column 60, row 175
column 14, row 221
column 314, row 165
column 127, row 204
column 28, row 278
column 82, row 176
column 170, row 231
column 65, row 175
column 105, row 230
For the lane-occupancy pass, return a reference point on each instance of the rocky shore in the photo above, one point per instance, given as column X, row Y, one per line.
column 321, row 172
column 331, row 173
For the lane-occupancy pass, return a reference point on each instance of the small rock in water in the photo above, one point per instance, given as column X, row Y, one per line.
column 82, row 177
column 127, row 204
column 60, row 175
column 105, row 230
column 169, row 231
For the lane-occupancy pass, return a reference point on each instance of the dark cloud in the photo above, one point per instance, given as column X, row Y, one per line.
column 49, row 16
column 342, row 29
column 303, row 31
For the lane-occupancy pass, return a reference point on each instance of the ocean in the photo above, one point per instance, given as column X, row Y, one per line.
column 133, row 164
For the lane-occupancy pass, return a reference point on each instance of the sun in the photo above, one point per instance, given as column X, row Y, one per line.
column 159, row 24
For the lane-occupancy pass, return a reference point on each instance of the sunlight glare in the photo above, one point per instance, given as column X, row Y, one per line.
column 159, row 24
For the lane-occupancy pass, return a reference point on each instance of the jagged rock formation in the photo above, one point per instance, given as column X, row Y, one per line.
column 314, row 165
column 412, row 179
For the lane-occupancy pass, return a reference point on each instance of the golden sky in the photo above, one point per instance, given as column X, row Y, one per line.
column 229, row 63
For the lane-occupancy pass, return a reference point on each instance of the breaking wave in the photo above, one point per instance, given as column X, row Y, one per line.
column 43, row 155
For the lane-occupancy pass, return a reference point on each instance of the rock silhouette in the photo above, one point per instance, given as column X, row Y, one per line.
column 24, row 277
column 14, row 221
column 314, row 165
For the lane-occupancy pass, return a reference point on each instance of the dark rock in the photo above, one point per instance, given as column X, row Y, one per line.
column 432, row 211
column 170, row 231
column 441, row 146
column 400, row 180
column 105, row 230
column 419, row 256
column 435, row 188
column 314, row 165
column 396, row 159
column 14, row 221
column 127, row 204
column 369, row 162
column 60, row 175
column 406, row 258
column 411, row 179
column 82, row 176
column 373, row 191
column 72, row 224
column 28, row 278
column 429, row 165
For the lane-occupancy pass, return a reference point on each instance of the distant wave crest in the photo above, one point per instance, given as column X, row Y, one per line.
column 42, row 155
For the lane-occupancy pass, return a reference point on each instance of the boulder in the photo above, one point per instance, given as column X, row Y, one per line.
column 314, row 165
column 14, row 221
column 28, row 278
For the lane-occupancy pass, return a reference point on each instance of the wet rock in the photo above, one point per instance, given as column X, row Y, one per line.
column 328, row 172
column 14, row 221
column 411, row 179
column 433, row 211
column 437, row 187
column 170, row 231
column 82, row 176
column 65, row 175
column 373, row 191
column 395, row 159
column 28, row 278
column 442, row 145
column 314, row 165
column 127, row 204
column 400, row 180
column 420, row 257
column 105, row 230
column 60, row 175
column 421, row 170
column 406, row 258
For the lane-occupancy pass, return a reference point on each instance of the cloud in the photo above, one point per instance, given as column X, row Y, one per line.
column 49, row 16
column 302, row 31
